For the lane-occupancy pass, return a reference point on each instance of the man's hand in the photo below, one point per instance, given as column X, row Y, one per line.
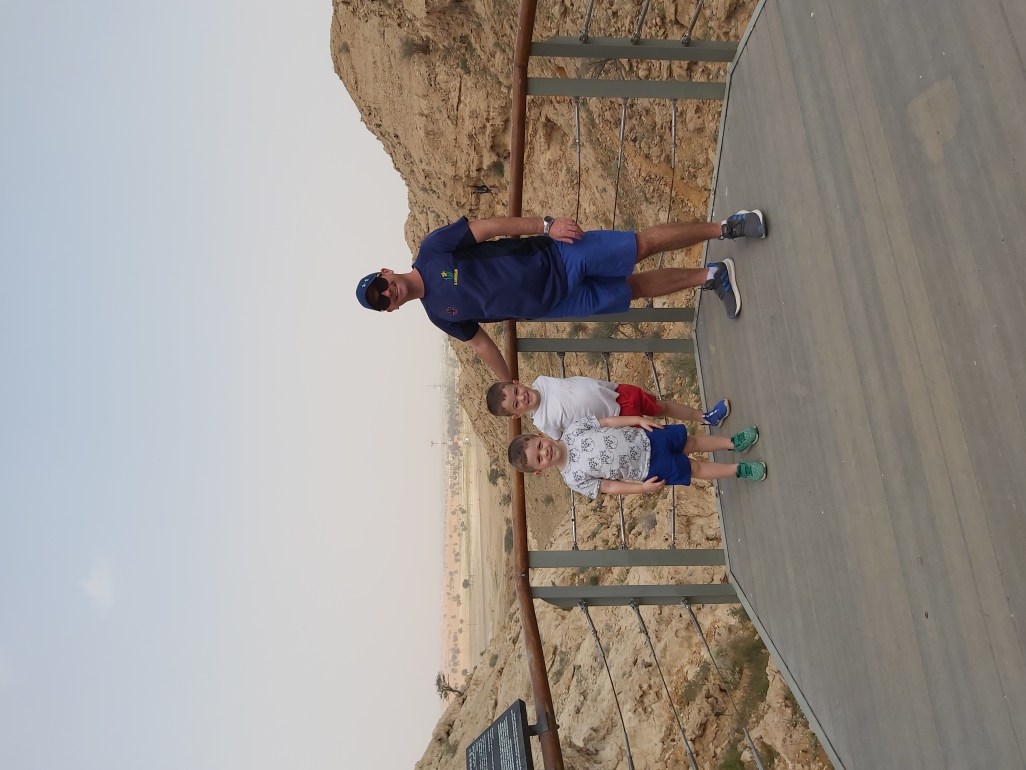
column 565, row 230
column 652, row 485
column 490, row 355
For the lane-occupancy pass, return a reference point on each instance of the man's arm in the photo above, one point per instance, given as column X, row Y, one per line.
column 563, row 229
column 489, row 354
column 609, row 487
column 630, row 422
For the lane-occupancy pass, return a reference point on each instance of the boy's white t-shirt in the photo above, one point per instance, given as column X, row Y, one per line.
column 564, row 400
column 594, row 453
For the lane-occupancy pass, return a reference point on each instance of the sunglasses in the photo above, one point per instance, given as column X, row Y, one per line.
column 380, row 285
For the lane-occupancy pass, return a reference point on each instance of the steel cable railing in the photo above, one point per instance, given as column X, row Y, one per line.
column 676, row 714
column 616, row 699
column 719, row 672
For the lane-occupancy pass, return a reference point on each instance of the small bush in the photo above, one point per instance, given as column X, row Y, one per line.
column 732, row 758
column 412, row 47
column 696, row 683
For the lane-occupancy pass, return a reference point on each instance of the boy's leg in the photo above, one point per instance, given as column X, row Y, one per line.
column 710, row 471
column 717, row 414
column 746, row 470
column 678, row 411
column 708, row 444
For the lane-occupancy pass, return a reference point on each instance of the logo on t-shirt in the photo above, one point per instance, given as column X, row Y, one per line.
column 453, row 276
column 452, row 310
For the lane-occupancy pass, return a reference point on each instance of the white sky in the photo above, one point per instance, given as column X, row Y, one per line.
column 220, row 537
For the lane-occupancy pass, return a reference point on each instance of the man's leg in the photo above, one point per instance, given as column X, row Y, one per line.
column 719, row 277
column 667, row 280
column 679, row 235
column 674, row 235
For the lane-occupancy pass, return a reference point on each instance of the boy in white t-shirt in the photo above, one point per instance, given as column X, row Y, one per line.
column 631, row 455
column 554, row 402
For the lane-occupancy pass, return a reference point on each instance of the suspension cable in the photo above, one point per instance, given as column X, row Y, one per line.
column 650, row 302
column 619, row 498
column 587, row 21
column 673, row 487
column 577, row 142
column 748, row 736
column 636, row 37
column 655, row 658
column 619, row 160
column 686, row 40
column 602, row 653
column 573, row 506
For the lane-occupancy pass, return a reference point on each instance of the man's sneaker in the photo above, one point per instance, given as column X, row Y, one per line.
column 723, row 284
column 745, row 439
column 743, row 224
column 751, row 471
column 717, row 414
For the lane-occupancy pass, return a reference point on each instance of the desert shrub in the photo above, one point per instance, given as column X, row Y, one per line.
column 411, row 46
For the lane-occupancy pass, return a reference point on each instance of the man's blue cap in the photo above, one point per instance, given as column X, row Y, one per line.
column 361, row 290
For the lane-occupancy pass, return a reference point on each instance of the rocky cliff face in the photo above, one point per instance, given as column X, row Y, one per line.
column 432, row 81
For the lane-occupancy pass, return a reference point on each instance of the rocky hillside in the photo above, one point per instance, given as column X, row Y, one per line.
column 432, row 81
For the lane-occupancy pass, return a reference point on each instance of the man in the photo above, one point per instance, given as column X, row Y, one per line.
column 464, row 278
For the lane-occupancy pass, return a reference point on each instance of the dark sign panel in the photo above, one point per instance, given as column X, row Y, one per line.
column 504, row 745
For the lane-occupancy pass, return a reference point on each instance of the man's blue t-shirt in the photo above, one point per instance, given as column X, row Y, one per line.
column 466, row 282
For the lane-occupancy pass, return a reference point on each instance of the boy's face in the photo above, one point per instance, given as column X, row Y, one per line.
column 519, row 399
column 542, row 453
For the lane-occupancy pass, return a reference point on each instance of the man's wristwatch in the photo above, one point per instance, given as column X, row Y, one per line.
column 547, row 224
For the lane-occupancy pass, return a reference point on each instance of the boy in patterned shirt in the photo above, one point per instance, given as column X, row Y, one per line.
column 631, row 455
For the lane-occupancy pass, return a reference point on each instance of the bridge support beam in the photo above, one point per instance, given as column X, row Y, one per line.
column 568, row 597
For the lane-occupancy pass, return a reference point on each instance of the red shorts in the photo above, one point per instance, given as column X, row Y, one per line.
column 635, row 402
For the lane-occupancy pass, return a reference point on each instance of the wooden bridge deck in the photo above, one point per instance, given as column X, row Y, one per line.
column 881, row 349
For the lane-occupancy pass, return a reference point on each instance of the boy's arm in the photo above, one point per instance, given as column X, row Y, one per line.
column 647, row 423
column 609, row 487
column 489, row 354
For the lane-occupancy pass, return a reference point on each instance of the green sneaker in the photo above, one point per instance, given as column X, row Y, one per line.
column 751, row 471
column 745, row 438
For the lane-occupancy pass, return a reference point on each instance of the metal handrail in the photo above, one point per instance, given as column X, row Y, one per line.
column 545, row 713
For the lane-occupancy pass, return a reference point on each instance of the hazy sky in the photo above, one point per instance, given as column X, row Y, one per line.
column 220, row 545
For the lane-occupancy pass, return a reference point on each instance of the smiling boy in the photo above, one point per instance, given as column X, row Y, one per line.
column 555, row 402
column 631, row 455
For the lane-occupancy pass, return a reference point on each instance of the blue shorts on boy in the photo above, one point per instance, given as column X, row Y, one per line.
column 466, row 282
column 668, row 460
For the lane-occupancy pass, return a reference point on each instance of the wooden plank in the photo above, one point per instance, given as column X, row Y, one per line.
column 880, row 351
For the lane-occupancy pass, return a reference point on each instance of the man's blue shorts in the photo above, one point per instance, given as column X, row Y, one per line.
column 596, row 270
column 668, row 460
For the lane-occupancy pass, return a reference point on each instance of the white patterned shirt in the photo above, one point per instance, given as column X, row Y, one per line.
column 594, row 453
column 565, row 399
